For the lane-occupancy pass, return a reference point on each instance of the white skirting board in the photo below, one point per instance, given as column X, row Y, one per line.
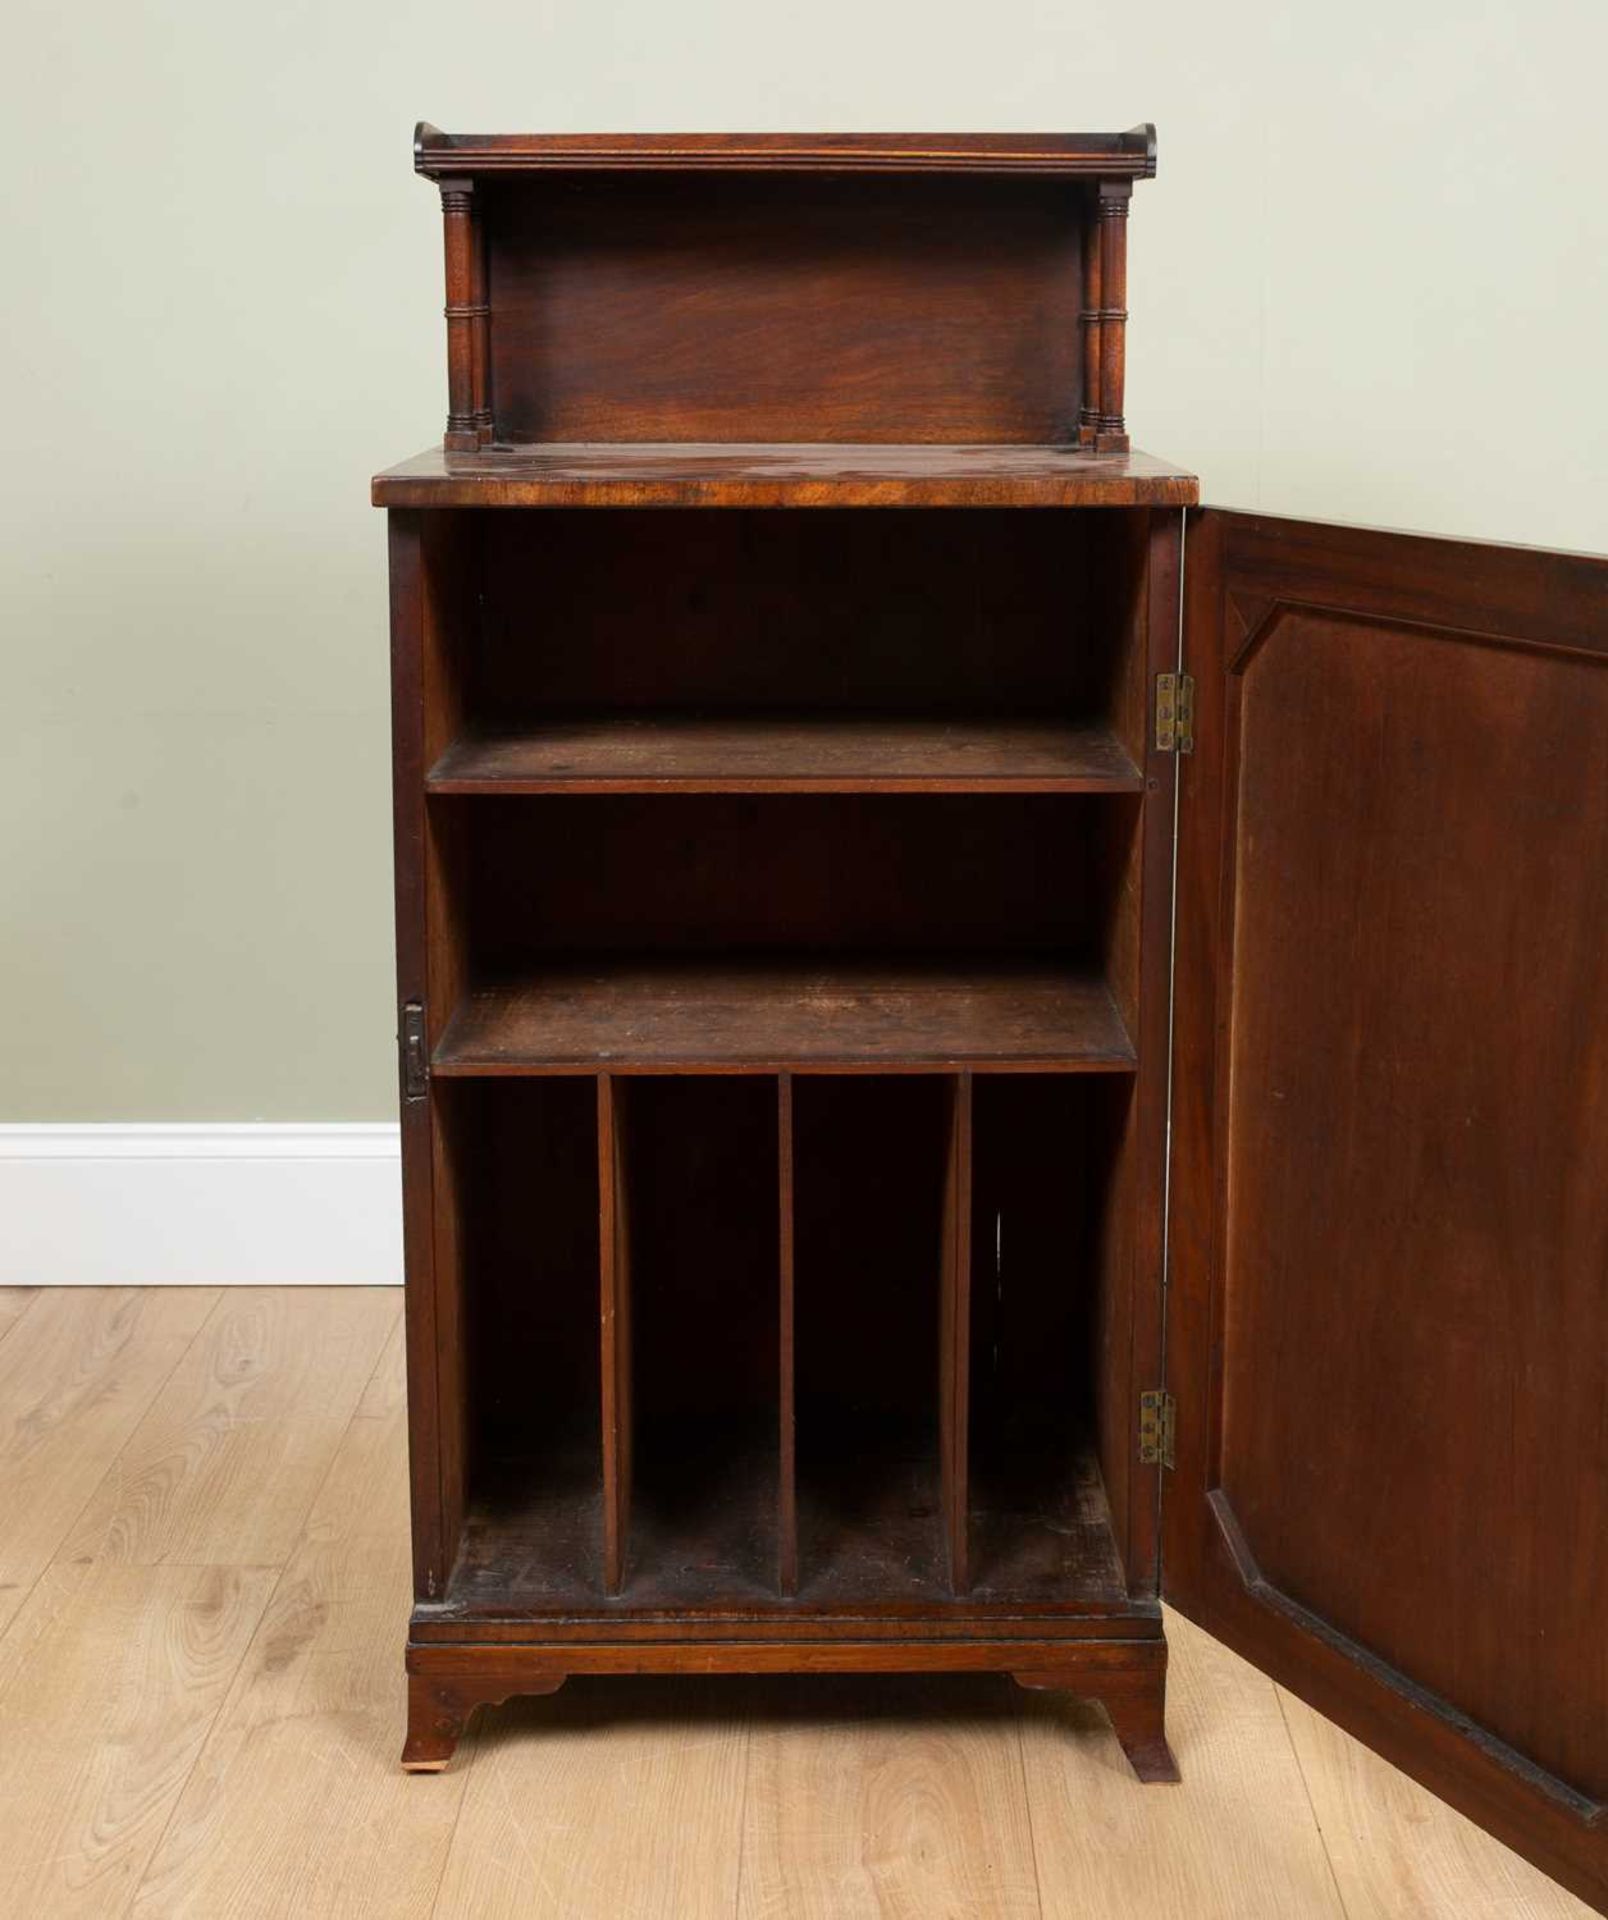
column 225, row 1205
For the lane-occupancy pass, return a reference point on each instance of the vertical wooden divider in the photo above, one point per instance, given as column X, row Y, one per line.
column 787, row 1454
column 614, row 1249
column 954, row 1336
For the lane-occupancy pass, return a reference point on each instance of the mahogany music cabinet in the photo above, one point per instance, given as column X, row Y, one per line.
column 960, row 1074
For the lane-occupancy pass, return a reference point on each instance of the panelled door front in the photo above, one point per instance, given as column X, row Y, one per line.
column 1388, row 1297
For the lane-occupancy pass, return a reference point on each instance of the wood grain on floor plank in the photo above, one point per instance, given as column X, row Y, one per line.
column 886, row 1796
column 76, row 1373
column 14, row 1303
column 1236, row 1839
column 109, row 1680
column 1401, row 1854
column 387, row 1388
column 297, row 1804
column 610, row 1798
column 224, row 1466
column 627, row 1797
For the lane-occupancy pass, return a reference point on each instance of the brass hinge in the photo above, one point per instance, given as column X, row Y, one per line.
column 1157, row 1426
column 414, row 1051
column 1175, row 713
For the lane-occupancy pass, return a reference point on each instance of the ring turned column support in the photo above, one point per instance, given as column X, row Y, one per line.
column 1111, row 433
column 1089, row 412
column 465, row 318
column 480, row 325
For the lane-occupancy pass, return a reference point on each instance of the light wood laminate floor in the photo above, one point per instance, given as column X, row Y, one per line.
column 203, row 1595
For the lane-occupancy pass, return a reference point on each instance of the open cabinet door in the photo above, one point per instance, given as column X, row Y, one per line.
column 1387, row 1315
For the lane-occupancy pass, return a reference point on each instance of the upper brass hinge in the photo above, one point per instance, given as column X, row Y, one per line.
column 1158, row 1416
column 1175, row 713
column 414, row 1051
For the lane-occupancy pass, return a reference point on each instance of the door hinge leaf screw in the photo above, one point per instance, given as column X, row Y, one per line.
column 1157, row 1428
column 1175, row 713
column 415, row 1052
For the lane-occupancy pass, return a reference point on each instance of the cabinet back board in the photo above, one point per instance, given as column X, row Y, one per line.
column 787, row 307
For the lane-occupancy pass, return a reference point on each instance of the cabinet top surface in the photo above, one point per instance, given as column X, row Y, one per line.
column 778, row 474
column 1130, row 155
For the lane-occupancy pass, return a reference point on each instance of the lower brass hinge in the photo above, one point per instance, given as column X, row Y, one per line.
column 1175, row 713
column 414, row 1051
column 1157, row 1425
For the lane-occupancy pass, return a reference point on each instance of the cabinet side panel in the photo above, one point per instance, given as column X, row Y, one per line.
column 405, row 532
column 431, row 605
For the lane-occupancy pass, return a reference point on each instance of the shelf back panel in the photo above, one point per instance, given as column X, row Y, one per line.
column 734, row 307
column 730, row 612
column 792, row 875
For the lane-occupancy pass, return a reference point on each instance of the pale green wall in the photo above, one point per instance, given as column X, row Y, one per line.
column 223, row 300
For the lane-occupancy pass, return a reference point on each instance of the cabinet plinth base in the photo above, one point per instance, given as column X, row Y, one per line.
column 447, row 1680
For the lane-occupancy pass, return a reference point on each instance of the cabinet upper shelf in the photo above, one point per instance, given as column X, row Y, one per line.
column 1130, row 155
column 783, row 474
column 729, row 287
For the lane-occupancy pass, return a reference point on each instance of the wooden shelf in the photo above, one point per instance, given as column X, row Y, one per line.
column 783, row 474
column 760, row 1016
column 793, row 754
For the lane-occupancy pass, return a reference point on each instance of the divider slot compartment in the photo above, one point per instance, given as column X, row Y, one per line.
column 691, row 1363
column 516, row 1213
column 869, row 1232
column 1047, row 1268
